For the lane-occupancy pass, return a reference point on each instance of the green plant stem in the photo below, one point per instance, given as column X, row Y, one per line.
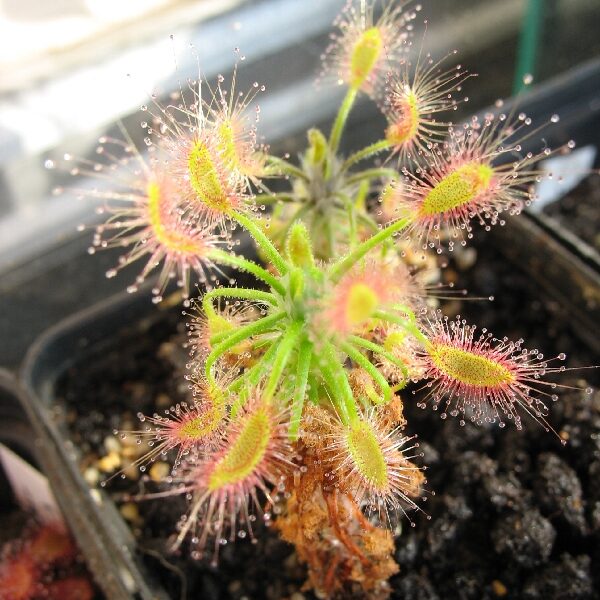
column 243, row 264
column 287, row 168
column 372, row 174
column 346, row 263
column 284, row 349
column 337, row 381
column 221, row 337
column 340, row 122
column 250, row 378
column 377, row 349
column 313, row 388
column 335, row 396
column 246, row 294
column 262, row 240
column 371, row 369
column 302, row 371
column 361, row 196
column 407, row 325
column 255, row 328
column 366, row 152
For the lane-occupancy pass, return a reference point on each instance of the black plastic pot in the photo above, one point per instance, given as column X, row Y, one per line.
column 562, row 269
column 564, row 266
column 18, row 433
column 99, row 526
column 96, row 522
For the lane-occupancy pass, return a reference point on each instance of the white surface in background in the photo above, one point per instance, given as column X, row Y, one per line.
column 99, row 93
column 31, row 489
column 567, row 171
column 32, row 27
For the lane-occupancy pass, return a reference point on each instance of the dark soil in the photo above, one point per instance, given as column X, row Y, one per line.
column 579, row 211
column 515, row 514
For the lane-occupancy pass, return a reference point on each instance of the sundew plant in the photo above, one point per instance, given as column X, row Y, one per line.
column 297, row 379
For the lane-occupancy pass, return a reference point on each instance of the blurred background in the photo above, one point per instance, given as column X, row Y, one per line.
column 71, row 69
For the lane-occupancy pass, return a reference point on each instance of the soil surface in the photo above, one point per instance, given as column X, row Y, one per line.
column 515, row 514
column 579, row 211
